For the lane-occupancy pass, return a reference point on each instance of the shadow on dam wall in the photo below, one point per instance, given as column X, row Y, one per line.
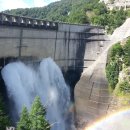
column 73, row 73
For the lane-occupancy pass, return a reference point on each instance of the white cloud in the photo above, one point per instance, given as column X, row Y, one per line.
column 12, row 4
column 49, row 1
column 39, row 3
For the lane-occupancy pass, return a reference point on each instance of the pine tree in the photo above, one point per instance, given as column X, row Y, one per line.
column 24, row 123
column 4, row 119
column 37, row 116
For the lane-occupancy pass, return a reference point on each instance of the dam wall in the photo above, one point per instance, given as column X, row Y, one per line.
column 67, row 45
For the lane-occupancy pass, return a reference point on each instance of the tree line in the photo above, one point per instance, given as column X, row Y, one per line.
column 119, row 63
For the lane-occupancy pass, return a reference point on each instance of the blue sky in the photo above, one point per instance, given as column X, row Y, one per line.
column 14, row 4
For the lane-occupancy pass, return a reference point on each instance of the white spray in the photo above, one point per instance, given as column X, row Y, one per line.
column 24, row 83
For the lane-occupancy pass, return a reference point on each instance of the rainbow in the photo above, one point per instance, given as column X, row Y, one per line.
column 116, row 121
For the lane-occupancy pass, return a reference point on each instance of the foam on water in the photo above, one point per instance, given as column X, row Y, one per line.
column 24, row 83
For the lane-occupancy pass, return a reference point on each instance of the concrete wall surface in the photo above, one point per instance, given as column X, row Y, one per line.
column 68, row 45
column 91, row 94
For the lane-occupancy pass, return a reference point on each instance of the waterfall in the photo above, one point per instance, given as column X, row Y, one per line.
column 24, row 82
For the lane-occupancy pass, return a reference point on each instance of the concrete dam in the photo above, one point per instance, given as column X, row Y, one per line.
column 68, row 44
column 73, row 47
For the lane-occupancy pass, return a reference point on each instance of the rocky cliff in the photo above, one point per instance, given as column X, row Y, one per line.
column 122, row 32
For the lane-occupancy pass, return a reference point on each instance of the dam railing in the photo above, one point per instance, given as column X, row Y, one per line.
column 7, row 19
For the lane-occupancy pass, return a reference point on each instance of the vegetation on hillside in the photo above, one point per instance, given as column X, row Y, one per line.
column 77, row 11
column 4, row 119
column 126, row 49
column 123, row 89
column 114, row 65
column 118, row 69
column 34, row 120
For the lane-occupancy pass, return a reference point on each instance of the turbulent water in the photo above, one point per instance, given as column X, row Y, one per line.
column 24, row 82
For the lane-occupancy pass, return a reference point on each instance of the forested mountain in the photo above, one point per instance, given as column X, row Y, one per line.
column 57, row 11
column 77, row 11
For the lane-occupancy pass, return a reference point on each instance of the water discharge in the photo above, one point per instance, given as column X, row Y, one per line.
column 117, row 121
column 24, row 82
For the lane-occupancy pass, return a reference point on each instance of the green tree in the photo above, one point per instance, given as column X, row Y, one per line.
column 24, row 123
column 4, row 119
column 123, row 89
column 115, row 52
column 114, row 64
column 112, row 73
column 37, row 116
column 78, row 16
column 126, row 49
